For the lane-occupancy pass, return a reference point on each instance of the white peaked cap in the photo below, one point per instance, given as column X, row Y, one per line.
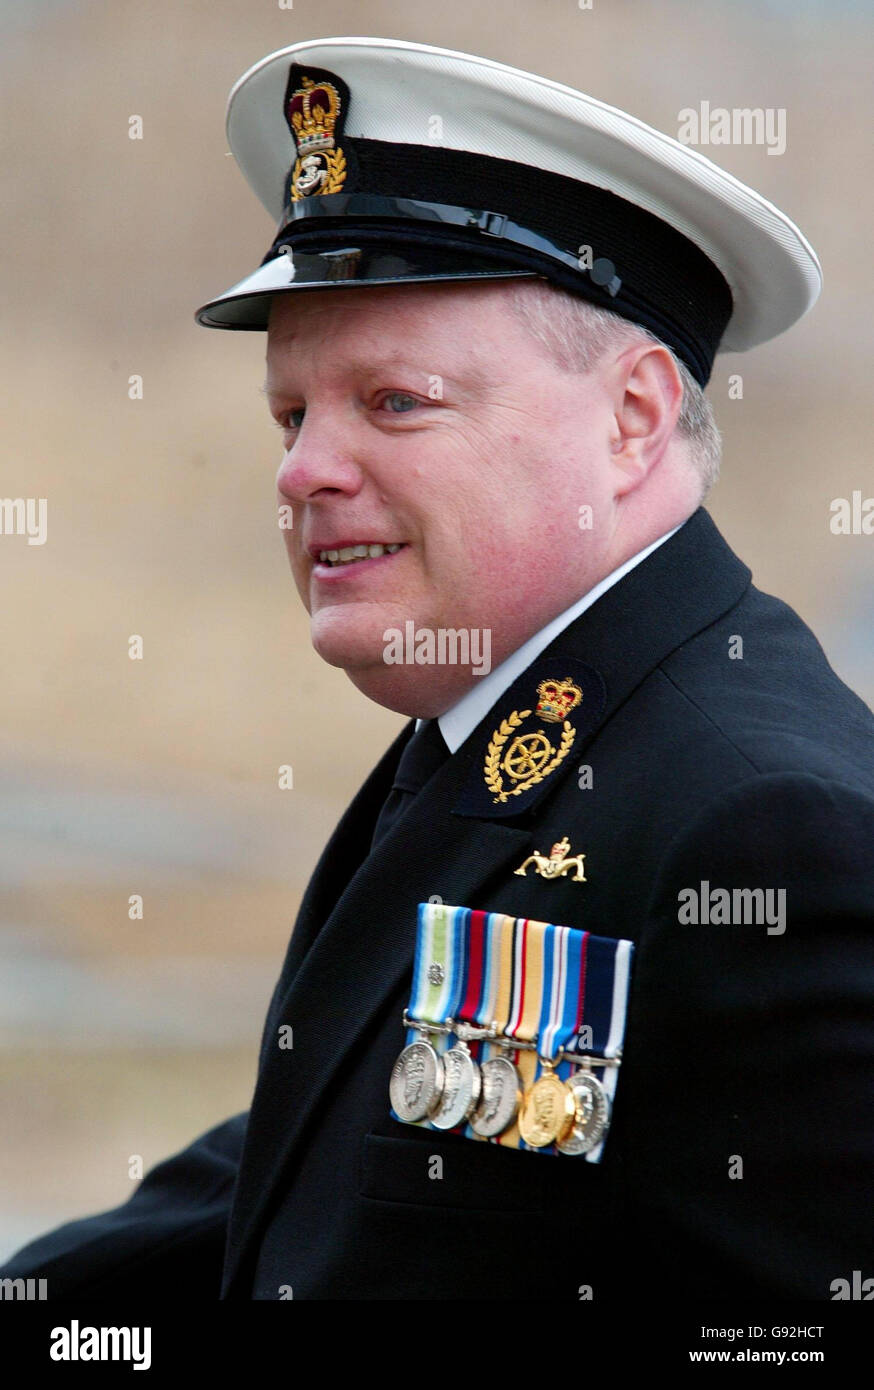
column 453, row 166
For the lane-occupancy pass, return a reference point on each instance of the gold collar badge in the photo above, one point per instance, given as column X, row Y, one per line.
column 313, row 111
column 531, row 757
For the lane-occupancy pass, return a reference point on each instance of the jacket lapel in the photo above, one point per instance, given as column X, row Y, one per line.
column 355, row 962
column 350, row 949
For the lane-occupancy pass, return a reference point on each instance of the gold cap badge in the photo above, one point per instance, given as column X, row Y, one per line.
column 313, row 111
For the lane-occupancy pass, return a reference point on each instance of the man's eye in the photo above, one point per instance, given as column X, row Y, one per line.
column 292, row 419
column 398, row 402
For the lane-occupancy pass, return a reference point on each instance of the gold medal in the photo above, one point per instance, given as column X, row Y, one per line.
column 547, row 1113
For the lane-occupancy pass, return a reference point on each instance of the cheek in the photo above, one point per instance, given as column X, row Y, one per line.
column 489, row 510
column 292, row 550
column 299, row 568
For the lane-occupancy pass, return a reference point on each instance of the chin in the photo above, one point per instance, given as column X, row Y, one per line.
column 340, row 641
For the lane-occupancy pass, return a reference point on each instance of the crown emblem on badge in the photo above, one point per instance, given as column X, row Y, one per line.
column 313, row 111
column 556, row 699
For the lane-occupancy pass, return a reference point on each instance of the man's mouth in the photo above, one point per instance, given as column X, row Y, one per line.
column 352, row 554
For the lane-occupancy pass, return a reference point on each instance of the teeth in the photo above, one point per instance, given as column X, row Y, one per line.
column 351, row 553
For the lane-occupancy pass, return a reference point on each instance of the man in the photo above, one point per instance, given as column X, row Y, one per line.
column 486, row 358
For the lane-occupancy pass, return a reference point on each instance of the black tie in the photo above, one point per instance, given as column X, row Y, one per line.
column 420, row 759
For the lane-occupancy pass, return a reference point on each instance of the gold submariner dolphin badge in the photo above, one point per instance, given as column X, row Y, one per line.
column 557, row 864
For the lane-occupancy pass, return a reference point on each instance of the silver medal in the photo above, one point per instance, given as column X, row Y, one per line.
column 461, row 1088
column 592, row 1113
column 416, row 1082
column 499, row 1101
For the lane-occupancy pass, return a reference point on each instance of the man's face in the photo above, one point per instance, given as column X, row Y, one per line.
column 427, row 418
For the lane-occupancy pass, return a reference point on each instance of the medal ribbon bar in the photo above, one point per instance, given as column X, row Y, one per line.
column 505, row 1017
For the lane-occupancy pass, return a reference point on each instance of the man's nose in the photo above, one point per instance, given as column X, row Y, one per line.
column 318, row 461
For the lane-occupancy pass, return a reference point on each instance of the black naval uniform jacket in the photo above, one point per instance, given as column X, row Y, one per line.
column 740, row 1159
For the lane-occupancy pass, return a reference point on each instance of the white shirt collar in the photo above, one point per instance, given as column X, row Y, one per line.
column 458, row 722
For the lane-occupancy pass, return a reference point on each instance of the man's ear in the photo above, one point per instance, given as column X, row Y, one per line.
column 647, row 394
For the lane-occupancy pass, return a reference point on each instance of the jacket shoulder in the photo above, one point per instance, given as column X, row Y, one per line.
column 762, row 682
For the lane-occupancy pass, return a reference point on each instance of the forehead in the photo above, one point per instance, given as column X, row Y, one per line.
column 465, row 323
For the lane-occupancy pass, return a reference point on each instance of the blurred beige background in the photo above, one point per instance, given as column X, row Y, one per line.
column 159, row 777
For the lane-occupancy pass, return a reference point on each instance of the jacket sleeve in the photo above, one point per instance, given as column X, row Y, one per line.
column 748, row 1151
column 166, row 1241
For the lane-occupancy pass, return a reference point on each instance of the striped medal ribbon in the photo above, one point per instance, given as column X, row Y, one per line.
column 462, row 1081
column 486, row 1007
column 427, row 1081
column 547, row 1113
column 596, row 1041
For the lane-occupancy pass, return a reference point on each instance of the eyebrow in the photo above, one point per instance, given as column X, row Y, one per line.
column 373, row 365
column 474, row 376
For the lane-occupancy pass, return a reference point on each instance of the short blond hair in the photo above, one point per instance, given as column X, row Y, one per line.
column 577, row 334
